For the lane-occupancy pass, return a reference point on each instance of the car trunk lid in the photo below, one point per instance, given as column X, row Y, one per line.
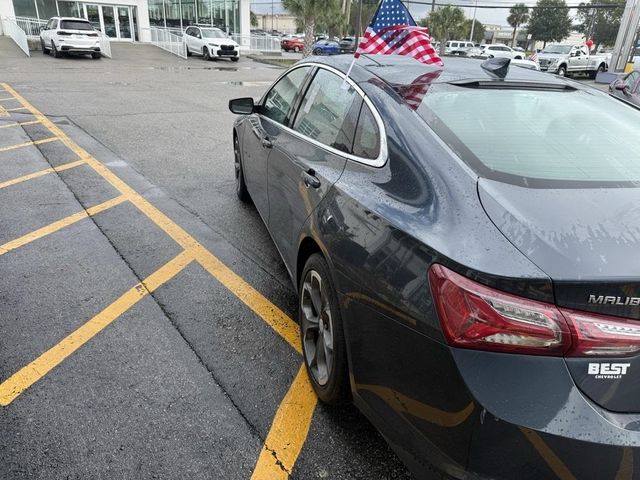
column 587, row 241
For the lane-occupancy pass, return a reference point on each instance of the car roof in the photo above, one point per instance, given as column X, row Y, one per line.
column 396, row 70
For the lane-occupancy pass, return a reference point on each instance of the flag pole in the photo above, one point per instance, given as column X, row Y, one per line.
column 345, row 84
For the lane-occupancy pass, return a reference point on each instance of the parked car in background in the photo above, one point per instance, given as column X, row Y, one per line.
column 293, row 44
column 500, row 51
column 211, row 43
column 466, row 52
column 325, row 47
column 347, row 45
column 567, row 59
column 473, row 286
column 627, row 88
column 452, row 45
column 70, row 35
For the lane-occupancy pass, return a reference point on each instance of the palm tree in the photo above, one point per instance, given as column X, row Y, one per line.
column 444, row 24
column 308, row 14
column 518, row 15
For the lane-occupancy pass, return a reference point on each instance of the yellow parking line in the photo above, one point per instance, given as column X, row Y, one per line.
column 15, row 109
column 60, row 224
column 279, row 321
column 34, row 371
column 299, row 398
column 6, row 98
column 288, row 432
column 40, row 173
column 19, row 124
column 549, row 456
column 28, row 144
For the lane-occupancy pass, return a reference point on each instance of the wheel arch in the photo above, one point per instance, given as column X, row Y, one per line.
column 308, row 246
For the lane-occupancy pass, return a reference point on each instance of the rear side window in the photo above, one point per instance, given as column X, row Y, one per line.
column 324, row 112
column 278, row 101
column 367, row 139
column 75, row 25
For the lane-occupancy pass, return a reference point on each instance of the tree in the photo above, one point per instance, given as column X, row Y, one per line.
column 549, row 21
column 518, row 15
column 600, row 24
column 308, row 14
column 368, row 10
column 444, row 23
column 478, row 31
column 254, row 18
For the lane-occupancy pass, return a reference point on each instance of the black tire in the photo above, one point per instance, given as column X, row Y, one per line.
column 518, row 57
column 44, row 49
column 96, row 55
column 317, row 51
column 601, row 68
column 205, row 54
column 330, row 381
column 562, row 71
column 241, row 186
column 186, row 47
column 295, row 49
column 54, row 50
column 235, row 59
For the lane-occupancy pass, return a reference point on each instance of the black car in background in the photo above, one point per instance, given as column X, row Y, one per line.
column 465, row 252
column 347, row 45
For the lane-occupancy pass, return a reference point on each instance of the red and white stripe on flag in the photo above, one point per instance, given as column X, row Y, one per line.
column 407, row 40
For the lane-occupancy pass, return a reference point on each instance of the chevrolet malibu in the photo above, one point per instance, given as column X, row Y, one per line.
column 475, row 293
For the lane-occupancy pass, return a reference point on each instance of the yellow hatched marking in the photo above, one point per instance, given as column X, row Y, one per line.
column 286, row 437
column 40, row 173
column 18, row 124
column 34, row 371
column 6, row 98
column 28, row 144
column 15, row 109
column 288, row 432
column 60, row 224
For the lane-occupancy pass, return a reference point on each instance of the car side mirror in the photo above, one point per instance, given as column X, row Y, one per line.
column 42, row 28
column 621, row 86
column 242, row 106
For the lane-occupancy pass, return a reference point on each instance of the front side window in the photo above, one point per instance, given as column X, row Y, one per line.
column 631, row 80
column 550, row 139
column 278, row 101
column 324, row 112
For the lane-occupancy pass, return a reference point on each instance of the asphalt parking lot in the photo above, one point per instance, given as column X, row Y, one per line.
column 147, row 320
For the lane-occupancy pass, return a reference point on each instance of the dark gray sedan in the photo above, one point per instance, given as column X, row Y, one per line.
column 466, row 257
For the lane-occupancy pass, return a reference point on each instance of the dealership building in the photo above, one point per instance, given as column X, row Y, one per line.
column 130, row 20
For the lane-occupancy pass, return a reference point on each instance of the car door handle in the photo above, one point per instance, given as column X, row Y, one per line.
column 266, row 143
column 310, row 179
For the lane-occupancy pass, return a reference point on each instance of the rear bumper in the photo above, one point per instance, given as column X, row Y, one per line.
column 477, row 415
column 78, row 49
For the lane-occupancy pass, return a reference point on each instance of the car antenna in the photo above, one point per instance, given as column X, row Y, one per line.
column 498, row 67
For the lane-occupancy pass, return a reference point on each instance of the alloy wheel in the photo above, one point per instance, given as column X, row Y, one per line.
column 317, row 327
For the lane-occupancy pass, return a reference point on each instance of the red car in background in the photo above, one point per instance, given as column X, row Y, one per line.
column 296, row 44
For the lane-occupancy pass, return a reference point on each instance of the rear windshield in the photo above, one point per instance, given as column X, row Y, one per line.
column 75, row 25
column 539, row 138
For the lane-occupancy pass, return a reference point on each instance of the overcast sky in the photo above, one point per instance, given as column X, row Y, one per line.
column 494, row 16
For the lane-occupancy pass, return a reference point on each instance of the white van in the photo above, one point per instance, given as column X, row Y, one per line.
column 457, row 44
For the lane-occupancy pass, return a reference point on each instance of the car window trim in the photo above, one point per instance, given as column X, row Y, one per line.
column 378, row 162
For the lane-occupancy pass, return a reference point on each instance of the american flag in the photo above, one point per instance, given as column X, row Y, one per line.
column 393, row 31
column 534, row 57
column 414, row 92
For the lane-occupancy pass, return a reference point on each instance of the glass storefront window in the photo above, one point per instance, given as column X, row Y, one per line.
column 156, row 13
column 70, row 9
column 188, row 13
column 47, row 9
column 24, row 8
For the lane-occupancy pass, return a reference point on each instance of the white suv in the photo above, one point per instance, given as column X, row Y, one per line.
column 211, row 43
column 69, row 35
column 497, row 50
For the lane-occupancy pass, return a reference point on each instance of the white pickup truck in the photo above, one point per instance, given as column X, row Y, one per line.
column 568, row 59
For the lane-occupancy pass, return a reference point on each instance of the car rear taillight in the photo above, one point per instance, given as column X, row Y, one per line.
column 475, row 316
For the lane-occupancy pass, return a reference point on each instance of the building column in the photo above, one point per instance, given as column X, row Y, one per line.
column 245, row 23
column 143, row 21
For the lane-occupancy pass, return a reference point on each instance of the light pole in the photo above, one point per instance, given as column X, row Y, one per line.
column 473, row 22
